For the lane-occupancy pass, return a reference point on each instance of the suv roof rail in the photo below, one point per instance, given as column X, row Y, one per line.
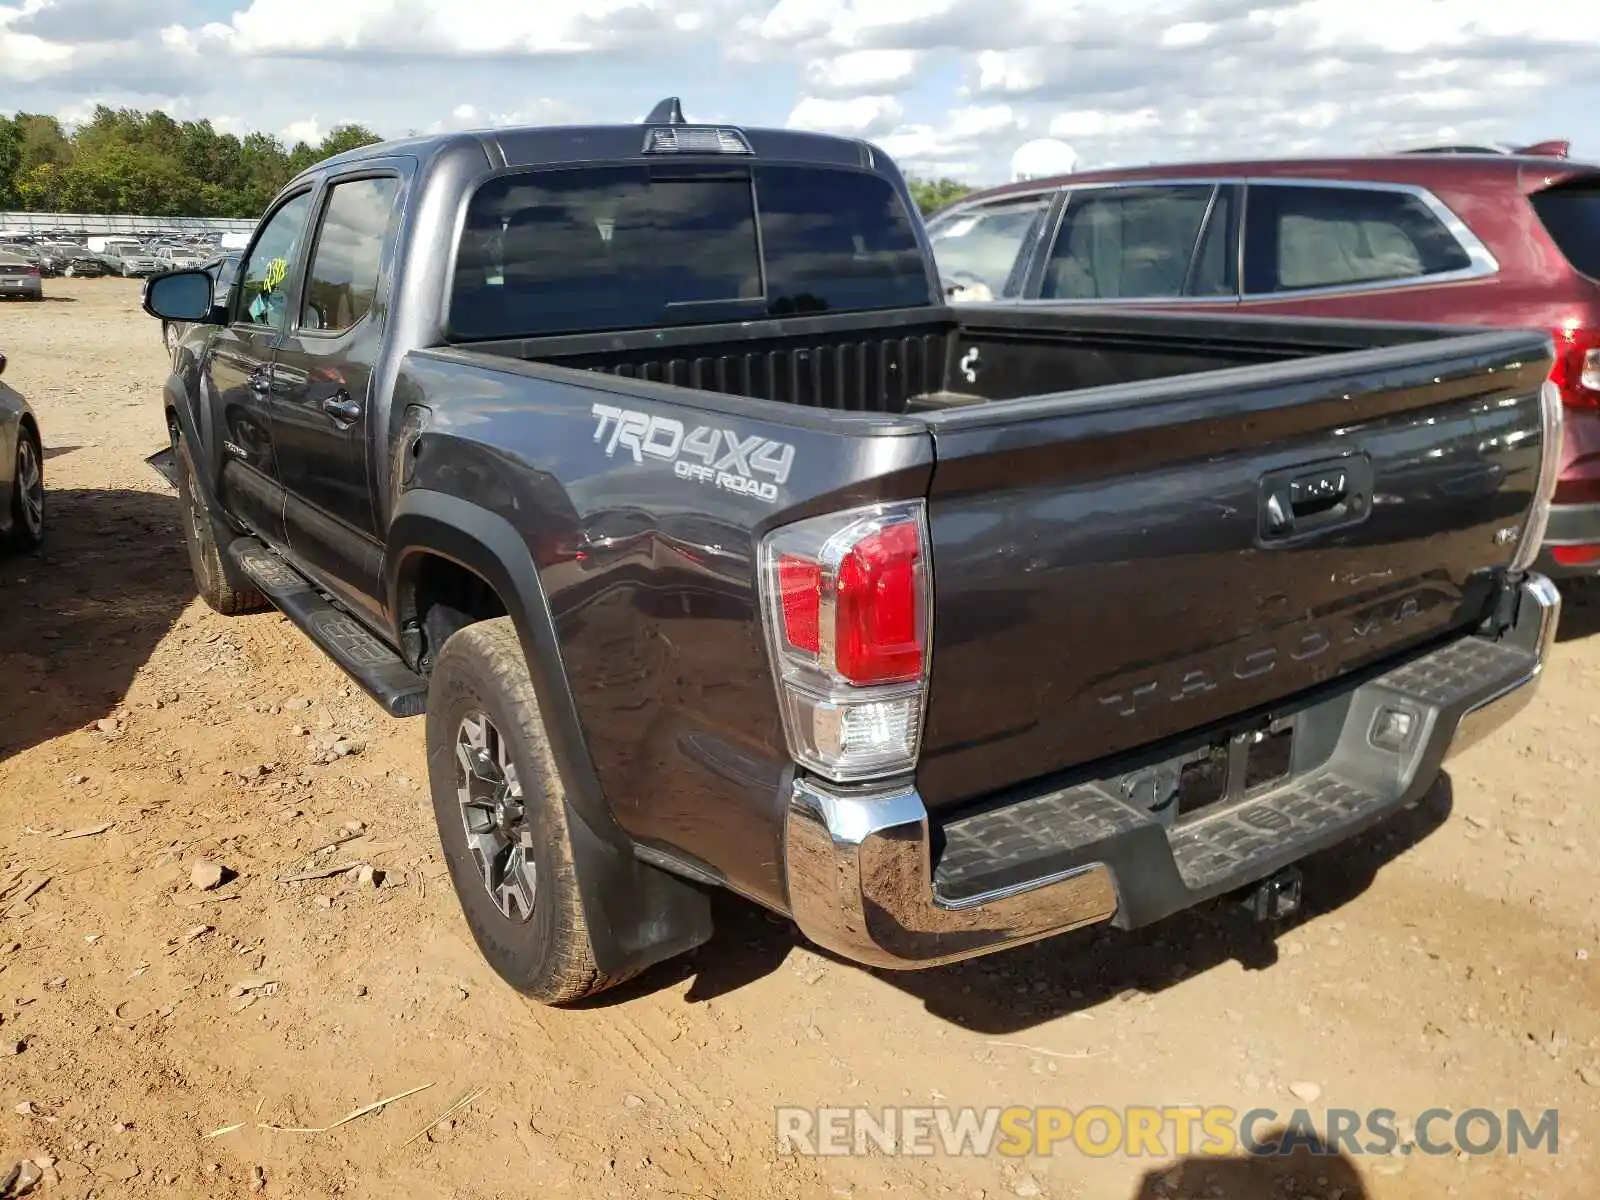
column 668, row 112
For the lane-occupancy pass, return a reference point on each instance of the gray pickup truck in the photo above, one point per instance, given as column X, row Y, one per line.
column 719, row 552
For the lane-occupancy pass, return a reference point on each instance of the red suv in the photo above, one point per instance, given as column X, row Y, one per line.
column 1481, row 239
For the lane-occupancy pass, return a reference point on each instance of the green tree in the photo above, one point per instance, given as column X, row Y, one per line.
column 126, row 160
column 934, row 194
column 39, row 189
column 10, row 160
column 346, row 137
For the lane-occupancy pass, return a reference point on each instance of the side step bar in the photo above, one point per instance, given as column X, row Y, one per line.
column 378, row 669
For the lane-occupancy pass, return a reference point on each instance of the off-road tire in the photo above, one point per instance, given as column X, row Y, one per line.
column 205, row 556
column 24, row 536
column 550, row 956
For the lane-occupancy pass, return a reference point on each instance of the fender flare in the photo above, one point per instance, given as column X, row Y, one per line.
column 177, row 401
column 637, row 914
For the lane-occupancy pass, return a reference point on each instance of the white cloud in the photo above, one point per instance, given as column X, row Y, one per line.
column 961, row 146
column 25, row 56
column 1097, row 123
column 483, row 27
column 947, row 86
column 861, row 71
column 859, row 116
column 307, row 131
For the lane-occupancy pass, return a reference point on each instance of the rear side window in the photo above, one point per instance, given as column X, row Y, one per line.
column 625, row 247
column 1126, row 243
column 1571, row 214
column 1320, row 237
column 977, row 248
column 349, row 249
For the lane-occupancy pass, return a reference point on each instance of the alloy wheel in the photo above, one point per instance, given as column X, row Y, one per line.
column 492, row 815
column 30, row 486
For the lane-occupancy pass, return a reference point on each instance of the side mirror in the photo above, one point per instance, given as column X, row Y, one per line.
column 2, row 364
column 179, row 296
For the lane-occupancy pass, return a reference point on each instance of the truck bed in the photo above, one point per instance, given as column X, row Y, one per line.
column 1106, row 575
column 920, row 360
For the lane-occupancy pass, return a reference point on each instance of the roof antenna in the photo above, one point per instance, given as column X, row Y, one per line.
column 668, row 112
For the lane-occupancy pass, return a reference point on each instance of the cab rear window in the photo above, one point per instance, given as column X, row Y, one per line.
column 621, row 247
column 1571, row 214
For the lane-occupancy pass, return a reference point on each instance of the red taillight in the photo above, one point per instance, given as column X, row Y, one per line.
column 35, row 271
column 846, row 603
column 1575, row 556
column 1577, row 369
column 800, row 597
column 877, row 634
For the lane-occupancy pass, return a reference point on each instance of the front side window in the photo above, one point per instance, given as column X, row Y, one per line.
column 1299, row 237
column 977, row 248
column 635, row 246
column 343, row 280
column 264, row 278
column 1126, row 243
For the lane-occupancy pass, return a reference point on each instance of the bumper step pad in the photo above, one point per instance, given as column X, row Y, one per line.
column 1238, row 841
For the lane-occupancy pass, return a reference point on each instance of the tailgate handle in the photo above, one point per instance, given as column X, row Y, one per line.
column 1313, row 497
column 1312, row 494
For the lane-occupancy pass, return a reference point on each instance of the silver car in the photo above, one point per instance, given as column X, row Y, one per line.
column 129, row 258
column 21, row 472
column 20, row 277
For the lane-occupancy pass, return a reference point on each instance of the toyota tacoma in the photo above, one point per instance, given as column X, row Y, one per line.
column 718, row 551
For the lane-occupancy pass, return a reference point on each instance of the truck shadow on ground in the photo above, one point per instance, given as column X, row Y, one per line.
column 80, row 619
column 1306, row 1167
column 1019, row 989
column 1580, row 611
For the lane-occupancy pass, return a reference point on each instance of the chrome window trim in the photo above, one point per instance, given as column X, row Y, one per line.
column 1482, row 262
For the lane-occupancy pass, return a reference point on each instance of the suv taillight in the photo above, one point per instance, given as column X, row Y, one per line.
column 846, row 599
column 1577, row 369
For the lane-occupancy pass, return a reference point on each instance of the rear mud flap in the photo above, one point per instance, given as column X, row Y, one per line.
column 166, row 466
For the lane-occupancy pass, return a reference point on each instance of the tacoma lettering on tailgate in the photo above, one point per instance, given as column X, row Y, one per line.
column 1370, row 628
column 723, row 459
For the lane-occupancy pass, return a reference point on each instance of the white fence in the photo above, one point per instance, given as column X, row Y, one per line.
column 100, row 223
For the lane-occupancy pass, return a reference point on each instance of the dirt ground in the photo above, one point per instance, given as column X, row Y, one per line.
column 1451, row 959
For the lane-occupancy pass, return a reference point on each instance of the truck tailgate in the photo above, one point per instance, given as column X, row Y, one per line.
column 1117, row 567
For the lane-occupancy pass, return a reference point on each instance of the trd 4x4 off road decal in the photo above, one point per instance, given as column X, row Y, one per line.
column 704, row 453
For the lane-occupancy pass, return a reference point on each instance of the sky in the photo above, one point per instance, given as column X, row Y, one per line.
column 947, row 87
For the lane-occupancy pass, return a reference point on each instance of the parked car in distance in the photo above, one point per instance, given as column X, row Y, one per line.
column 178, row 258
column 75, row 261
column 20, row 277
column 1492, row 238
column 21, row 471
column 720, row 551
column 126, row 257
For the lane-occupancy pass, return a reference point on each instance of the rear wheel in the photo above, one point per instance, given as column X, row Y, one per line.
column 501, row 811
column 27, row 493
column 205, row 555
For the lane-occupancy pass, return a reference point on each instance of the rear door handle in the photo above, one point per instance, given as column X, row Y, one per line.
column 342, row 406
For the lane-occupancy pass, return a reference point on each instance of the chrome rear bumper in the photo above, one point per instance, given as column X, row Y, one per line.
column 863, row 882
